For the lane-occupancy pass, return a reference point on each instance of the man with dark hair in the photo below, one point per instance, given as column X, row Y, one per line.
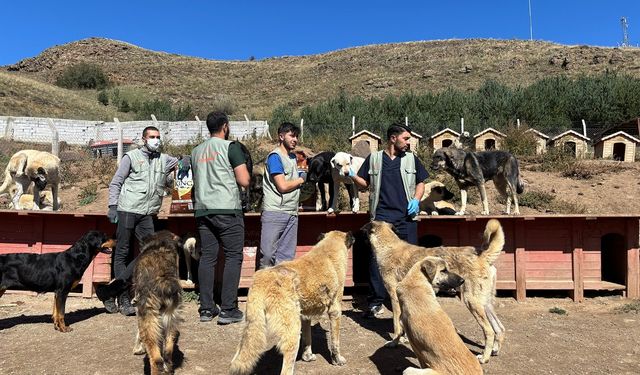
column 135, row 197
column 281, row 189
column 218, row 167
column 395, row 178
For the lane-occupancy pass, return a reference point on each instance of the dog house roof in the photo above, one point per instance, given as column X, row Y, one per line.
column 364, row 132
column 636, row 140
column 445, row 130
column 537, row 132
column 489, row 130
column 573, row 132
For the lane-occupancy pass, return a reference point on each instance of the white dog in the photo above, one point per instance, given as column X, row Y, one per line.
column 341, row 163
column 28, row 166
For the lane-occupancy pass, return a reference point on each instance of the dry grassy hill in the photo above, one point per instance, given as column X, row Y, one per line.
column 256, row 87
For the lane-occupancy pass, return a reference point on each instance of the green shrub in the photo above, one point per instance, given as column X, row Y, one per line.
column 83, row 76
column 163, row 110
column 88, row 194
column 519, row 142
column 631, row 307
column 558, row 310
column 535, row 199
column 103, row 97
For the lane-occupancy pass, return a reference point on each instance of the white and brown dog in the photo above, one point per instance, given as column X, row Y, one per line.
column 341, row 164
column 435, row 200
column 28, row 166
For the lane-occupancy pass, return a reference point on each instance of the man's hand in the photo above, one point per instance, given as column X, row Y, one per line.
column 113, row 214
column 302, row 175
column 413, row 207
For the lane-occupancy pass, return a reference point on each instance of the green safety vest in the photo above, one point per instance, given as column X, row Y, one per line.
column 143, row 189
column 274, row 200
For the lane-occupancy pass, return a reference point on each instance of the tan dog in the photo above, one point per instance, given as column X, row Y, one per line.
column 284, row 299
column 434, row 200
column 157, row 300
column 395, row 257
column 431, row 333
column 32, row 165
column 26, row 201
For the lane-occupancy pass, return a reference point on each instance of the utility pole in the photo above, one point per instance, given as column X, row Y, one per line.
column 530, row 23
column 625, row 33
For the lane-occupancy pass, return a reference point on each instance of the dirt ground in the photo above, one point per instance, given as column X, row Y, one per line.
column 592, row 338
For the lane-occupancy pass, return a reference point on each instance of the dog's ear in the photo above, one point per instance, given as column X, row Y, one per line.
column 429, row 267
column 350, row 159
column 367, row 228
column 333, row 162
column 349, row 240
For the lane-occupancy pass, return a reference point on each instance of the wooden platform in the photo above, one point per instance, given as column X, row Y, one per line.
column 547, row 252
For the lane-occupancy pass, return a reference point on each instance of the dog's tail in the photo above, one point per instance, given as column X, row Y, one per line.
column 520, row 186
column 493, row 241
column 254, row 338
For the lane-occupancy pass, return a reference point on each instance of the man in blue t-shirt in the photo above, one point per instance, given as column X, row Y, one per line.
column 281, row 188
column 396, row 181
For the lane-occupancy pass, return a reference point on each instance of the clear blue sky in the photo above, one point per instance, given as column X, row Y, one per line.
column 236, row 30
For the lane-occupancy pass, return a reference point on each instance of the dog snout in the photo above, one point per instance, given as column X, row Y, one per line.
column 456, row 280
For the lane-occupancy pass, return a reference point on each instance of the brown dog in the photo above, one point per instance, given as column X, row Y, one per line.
column 158, row 299
column 395, row 257
column 431, row 333
column 284, row 299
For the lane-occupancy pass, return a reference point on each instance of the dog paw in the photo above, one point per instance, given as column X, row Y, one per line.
column 434, row 213
column 139, row 350
column 484, row 213
column 460, row 213
column 308, row 357
column 63, row 329
column 495, row 352
column 481, row 358
column 330, row 210
column 339, row 360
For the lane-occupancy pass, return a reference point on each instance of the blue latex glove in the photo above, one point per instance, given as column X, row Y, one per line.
column 351, row 172
column 413, row 207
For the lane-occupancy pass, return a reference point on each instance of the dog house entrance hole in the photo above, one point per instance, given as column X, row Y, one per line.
column 618, row 151
column 447, row 142
column 570, row 148
column 489, row 144
column 613, row 258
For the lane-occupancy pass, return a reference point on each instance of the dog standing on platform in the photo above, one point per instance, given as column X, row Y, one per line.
column 158, row 300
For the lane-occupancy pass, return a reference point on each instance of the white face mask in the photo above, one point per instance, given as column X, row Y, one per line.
column 153, row 144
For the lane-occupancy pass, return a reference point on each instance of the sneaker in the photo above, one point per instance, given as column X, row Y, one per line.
column 126, row 308
column 208, row 315
column 110, row 305
column 230, row 316
column 374, row 312
column 102, row 292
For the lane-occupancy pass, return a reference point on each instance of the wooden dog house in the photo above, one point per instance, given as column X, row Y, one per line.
column 618, row 146
column 414, row 141
column 573, row 142
column 444, row 138
column 541, row 140
column 547, row 252
column 366, row 137
column 488, row 139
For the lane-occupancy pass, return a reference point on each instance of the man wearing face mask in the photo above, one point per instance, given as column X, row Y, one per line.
column 218, row 167
column 395, row 178
column 135, row 196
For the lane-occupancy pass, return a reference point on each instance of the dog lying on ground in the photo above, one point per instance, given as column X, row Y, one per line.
column 284, row 299
column 26, row 201
column 157, row 300
column 320, row 174
column 341, row 163
column 475, row 168
column 28, row 166
column 53, row 272
column 434, row 201
column 431, row 333
column 395, row 257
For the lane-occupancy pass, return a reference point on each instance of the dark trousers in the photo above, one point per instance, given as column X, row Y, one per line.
column 214, row 230
column 407, row 230
column 128, row 225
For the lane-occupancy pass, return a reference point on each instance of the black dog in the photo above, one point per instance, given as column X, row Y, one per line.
column 320, row 173
column 53, row 272
column 245, row 194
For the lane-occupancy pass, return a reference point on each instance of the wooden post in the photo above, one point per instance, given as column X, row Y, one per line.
column 353, row 125
column 8, row 130
column 55, row 145
column 154, row 119
column 199, row 123
column 633, row 258
column 120, row 146
column 520, row 261
column 577, row 258
column 301, row 130
column 518, row 123
column 461, row 125
column 406, row 120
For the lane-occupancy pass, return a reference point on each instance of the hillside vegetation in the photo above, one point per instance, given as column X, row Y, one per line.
column 258, row 87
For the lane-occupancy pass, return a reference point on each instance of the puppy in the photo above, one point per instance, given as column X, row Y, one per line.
column 431, row 333
column 395, row 257
column 284, row 299
column 157, row 300
column 434, row 201
column 53, row 272
column 26, row 201
column 341, row 164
